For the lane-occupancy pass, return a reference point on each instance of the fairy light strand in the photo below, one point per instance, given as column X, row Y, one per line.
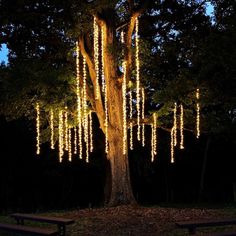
column 38, row 129
column 131, row 123
column 52, row 128
column 143, row 116
column 85, row 115
column 79, row 112
column 181, row 127
column 172, row 145
column 175, row 125
column 102, row 52
column 96, row 54
column 155, row 134
column 91, row 131
column 154, row 137
column 75, row 141
column 124, row 110
column 69, row 145
column 60, row 133
column 137, row 62
column 106, row 121
column 198, row 114
column 66, row 142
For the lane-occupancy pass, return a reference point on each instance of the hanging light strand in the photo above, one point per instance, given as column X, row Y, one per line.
column 181, row 127
column 37, row 129
column 143, row 116
column 198, row 114
column 154, row 137
column 75, row 141
column 66, row 139
column 91, row 130
column 69, row 145
column 106, row 121
column 124, row 110
column 85, row 120
column 79, row 107
column 131, row 123
column 52, row 128
column 96, row 54
column 60, row 134
column 103, row 58
column 172, row 145
column 175, row 125
column 137, row 62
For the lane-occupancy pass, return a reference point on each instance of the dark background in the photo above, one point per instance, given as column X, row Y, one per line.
column 31, row 183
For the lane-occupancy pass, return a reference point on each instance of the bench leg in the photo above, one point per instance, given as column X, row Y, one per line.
column 62, row 230
column 192, row 230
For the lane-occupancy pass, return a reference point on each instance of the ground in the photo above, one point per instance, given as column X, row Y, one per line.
column 137, row 220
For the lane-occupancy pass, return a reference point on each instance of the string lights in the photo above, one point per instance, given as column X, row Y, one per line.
column 154, row 137
column 143, row 112
column 75, row 140
column 198, row 114
column 124, row 110
column 60, row 133
column 104, row 88
column 66, row 139
column 85, row 120
column 175, row 125
column 96, row 54
column 52, row 128
column 91, row 130
column 172, row 145
column 103, row 58
column 181, row 127
column 69, row 145
column 131, row 123
column 79, row 107
column 137, row 62
column 37, row 128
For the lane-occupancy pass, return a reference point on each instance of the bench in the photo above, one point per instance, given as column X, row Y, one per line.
column 28, row 230
column 60, row 222
column 193, row 225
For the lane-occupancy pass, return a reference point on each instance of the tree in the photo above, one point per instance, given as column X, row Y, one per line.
column 41, row 37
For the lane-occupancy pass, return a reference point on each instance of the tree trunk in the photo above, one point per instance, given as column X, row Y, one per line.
column 121, row 190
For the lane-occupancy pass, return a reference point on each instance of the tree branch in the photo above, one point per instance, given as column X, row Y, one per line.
column 96, row 103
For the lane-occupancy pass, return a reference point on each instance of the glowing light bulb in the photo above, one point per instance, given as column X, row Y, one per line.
column 137, row 62
column 69, row 145
column 52, row 128
column 172, row 145
column 61, row 134
column 175, row 125
column 181, row 127
column 198, row 114
column 131, row 123
column 143, row 116
column 96, row 54
column 122, row 37
column 91, row 131
column 38, row 129
column 124, row 110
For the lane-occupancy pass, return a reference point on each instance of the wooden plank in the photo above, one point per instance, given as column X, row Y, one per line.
column 233, row 233
column 46, row 219
column 28, row 229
